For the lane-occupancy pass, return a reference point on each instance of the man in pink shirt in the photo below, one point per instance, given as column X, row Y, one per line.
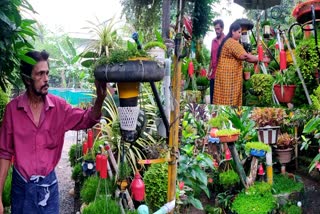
column 33, row 131
column 218, row 28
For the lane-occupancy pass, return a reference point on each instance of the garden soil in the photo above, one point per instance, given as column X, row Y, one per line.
column 310, row 202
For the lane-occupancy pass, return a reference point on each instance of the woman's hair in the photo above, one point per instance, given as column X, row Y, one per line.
column 26, row 68
column 233, row 27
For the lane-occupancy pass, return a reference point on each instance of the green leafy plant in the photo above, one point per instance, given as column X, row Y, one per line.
column 262, row 88
column 192, row 171
column 217, row 121
column 227, row 132
column 257, row 200
column 74, row 153
column 256, row 145
column 202, row 81
column 291, row 209
column 228, row 178
column 6, row 194
column 268, row 116
column 77, row 174
column 89, row 188
column 15, row 36
column 153, row 44
column 102, row 205
column 156, row 182
column 284, row 184
column 315, row 97
column 4, row 99
column 124, row 171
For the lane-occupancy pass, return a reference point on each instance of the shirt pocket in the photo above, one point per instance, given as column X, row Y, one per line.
column 52, row 140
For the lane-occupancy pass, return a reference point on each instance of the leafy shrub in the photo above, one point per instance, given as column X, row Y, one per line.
column 4, row 99
column 102, row 205
column 89, row 189
column 6, row 195
column 253, row 204
column 74, row 153
column 262, row 87
column 256, row 200
column 228, row 178
column 156, row 182
column 315, row 97
column 284, row 184
column 77, row 174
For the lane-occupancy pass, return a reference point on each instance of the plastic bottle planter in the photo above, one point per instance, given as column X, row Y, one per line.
column 268, row 134
column 88, row 167
column 284, row 155
column 228, row 138
column 213, row 140
column 257, row 153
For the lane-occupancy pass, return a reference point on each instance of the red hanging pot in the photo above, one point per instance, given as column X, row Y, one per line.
column 286, row 94
column 137, row 188
column 190, row 69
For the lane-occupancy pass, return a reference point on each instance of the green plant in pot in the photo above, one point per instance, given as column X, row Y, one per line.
column 248, row 69
column 228, row 178
column 202, row 82
column 257, row 148
column 228, row 135
column 284, row 84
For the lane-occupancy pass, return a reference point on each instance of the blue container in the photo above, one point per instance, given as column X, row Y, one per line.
column 213, row 140
column 257, row 153
column 73, row 96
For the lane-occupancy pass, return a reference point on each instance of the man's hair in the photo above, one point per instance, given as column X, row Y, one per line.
column 26, row 68
column 218, row 22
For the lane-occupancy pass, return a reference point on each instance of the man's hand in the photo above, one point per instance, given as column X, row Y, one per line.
column 1, row 207
column 101, row 88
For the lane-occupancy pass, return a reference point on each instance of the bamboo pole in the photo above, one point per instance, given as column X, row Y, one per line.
column 175, row 113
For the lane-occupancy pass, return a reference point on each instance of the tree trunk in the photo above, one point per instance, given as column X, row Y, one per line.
column 165, row 19
column 63, row 79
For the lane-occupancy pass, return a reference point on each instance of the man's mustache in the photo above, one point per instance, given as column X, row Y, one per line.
column 46, row 85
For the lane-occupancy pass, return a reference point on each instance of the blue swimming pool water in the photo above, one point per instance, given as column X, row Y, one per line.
column 73, row 96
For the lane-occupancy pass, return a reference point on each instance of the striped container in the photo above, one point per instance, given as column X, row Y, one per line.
column 268, row 134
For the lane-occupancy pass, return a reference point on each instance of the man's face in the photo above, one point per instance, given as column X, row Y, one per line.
column 40, row 78
column 219, row 30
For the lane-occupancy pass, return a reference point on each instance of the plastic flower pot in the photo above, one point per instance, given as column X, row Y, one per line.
column 228, row 138
column 286, row 94
column 268, row 134
column 257, row 153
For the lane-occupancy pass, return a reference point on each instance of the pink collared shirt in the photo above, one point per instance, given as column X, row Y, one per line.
column 214, row 52
column 37, row 150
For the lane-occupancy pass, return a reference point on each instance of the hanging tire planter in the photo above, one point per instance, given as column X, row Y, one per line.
column 130, row 71
column 303, row 11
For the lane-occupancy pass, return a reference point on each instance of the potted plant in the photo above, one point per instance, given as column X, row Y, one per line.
column 157, row 50
column 228, row 135
column 228, row 178
column 247, row 70
column 202, row 83
column 257, row 149
column 268, row 121
column 284, row 147
column 284, row 85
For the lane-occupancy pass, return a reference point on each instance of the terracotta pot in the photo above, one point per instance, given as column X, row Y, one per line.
column 268, row 134
column 284, row 155
column 228, row 138
column 246, row 75
column 287, row 95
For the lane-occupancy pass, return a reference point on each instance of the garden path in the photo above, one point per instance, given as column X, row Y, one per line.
column 63, row 171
